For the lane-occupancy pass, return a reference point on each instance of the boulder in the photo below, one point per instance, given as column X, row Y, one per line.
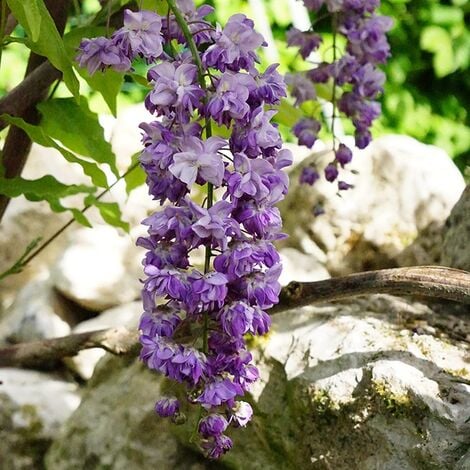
column 401, row 189
column 99, row 269
column 33, row 405
column 38, row 312
column 344, row 386
column 456, row 245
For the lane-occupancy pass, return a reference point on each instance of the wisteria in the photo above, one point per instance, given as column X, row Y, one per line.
column 195, row 320
column 353, row 74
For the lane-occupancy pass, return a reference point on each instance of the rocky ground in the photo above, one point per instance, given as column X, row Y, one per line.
column 370, row 383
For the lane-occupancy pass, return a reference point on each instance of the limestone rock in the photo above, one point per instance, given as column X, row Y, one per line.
column 99, row 269
column 33, row 405
column 38, row 312
column 343, row 386
column 456, row 246
column 126, row 315
column 297, row 266
column 401, row 188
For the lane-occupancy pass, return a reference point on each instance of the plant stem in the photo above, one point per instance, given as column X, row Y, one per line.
column 21, row 263
column 210, row 189
column 333, row 98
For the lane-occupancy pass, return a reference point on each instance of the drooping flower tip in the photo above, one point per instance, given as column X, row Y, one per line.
column 167, row 407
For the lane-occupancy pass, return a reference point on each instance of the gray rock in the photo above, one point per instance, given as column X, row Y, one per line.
column 456, row 246
column 402, row 188
column 33, row 405
column 99, row 269
column 38, row 312
column 342, row 386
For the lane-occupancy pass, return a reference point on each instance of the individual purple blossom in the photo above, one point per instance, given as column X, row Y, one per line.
column 230, row 98
column 199, row 161
column 208, row 291
column 262, row 288
column 102, row 53
column 260, row 220
column 212, row 425
column 217, row 447
column 218, row 391
column 167, row 407
column 306, row 130
column 307, row 42
column 343, row 186
column 161, row 321
column 309, row 176
column 141, row 34
column 343, row 155
column 174, row 86
column 331, row 172
column 235, row 45
column 215, row 225
column 236, row 318
column 302, row 88
column 270, row 87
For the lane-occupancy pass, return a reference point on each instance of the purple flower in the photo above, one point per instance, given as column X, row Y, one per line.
column 309, row 176
column 236, row 318
column 217, row 447
column 343, row 155
column 306, row 130
column 262, row 288
column 216, row 225
column 343, row 186
column 230, row 98
column 212, row 425
column 261, row 322
column 261, row 220
column 141, row 34
column 208, row 291
column 174, row 86
column 199, row 161
column 260, row 136
column 235, row 46
column 270, row 87
column 101, row 53
column 307, row 42
column 219, row 390
column 331, row 172
column 187, row 364
column 302, row 88
column 161, row 321
column 167, row 407
column 163, row 282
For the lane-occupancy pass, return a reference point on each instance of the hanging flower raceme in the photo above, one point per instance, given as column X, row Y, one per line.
column 353, row 74
column 202, row 77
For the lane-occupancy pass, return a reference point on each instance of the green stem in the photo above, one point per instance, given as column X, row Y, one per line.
column 333, row 98
column 210, row 188
column 29, row 254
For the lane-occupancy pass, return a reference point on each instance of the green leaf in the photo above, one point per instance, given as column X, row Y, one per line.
column 47, row 189
column 37, row 134
column 44, row 39
column 107, row 83
column 136, row 176
column 110, row 212
column 438, row 41
column 76, row 127
column 287, row 114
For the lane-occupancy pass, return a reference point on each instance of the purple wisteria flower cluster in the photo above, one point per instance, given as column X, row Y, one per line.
column 354, row 76
column 195, row 320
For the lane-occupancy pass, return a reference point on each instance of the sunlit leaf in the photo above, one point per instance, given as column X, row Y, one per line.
column 76, row 127
column 44, row 39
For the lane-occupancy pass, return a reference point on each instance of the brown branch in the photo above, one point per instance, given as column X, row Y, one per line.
column 18, row 144
column 45, row 354
column 29, row 91
column 428, row 281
